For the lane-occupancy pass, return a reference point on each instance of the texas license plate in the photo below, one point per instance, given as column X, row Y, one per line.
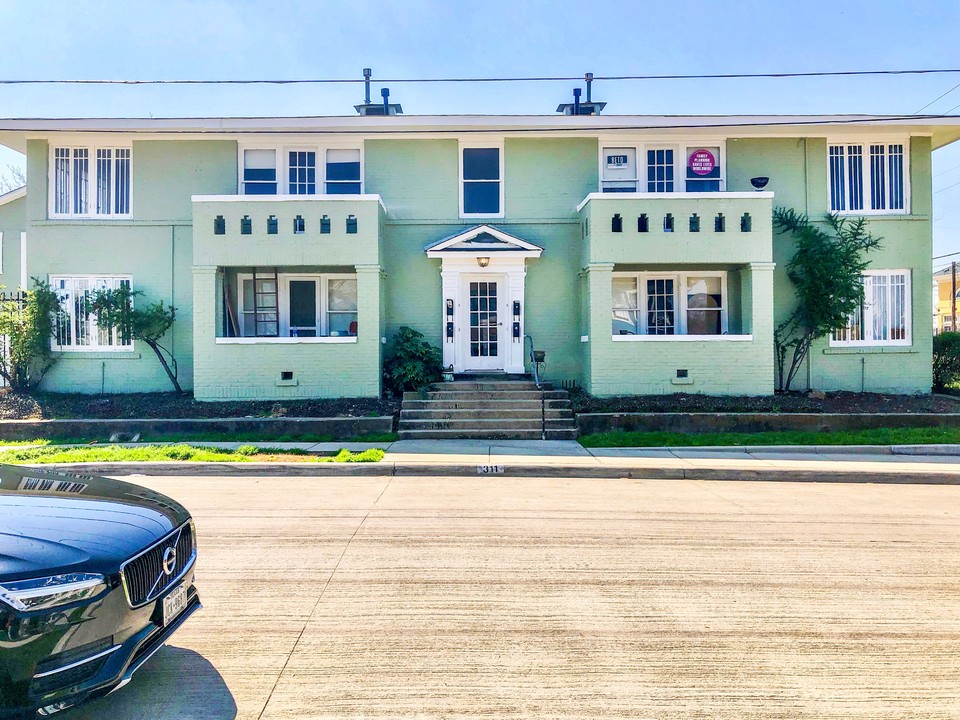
column 174, row 603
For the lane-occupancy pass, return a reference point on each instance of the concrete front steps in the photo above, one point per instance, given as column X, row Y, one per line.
column 487, row 408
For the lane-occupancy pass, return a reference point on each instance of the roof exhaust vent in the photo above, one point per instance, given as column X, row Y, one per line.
column 370, row 108
column 582, row 108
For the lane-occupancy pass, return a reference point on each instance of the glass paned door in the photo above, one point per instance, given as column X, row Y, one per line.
column 483, row 347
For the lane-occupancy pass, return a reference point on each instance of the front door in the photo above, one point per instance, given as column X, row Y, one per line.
column 484, row 342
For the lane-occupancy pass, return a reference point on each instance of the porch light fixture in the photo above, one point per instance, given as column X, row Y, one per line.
column 483, row 261
column 759, row 183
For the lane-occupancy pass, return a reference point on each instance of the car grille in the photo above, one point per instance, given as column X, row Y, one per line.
column 144, row 577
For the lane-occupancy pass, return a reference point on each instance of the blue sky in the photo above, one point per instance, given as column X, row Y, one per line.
column 215, row 39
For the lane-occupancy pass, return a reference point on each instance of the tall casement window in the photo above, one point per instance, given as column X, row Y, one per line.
column 669, row 303
column 883, row 318
column 75, row 326
column 868, row 177
column 481, row 181
column 297, row 305
column 662, row 168
column 92, row 182
column 301, row 170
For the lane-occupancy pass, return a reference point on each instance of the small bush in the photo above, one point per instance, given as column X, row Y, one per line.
column 247, row 450
column 946, row 359
column 412, row 362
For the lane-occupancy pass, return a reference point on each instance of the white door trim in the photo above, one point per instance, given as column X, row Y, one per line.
column 456, row 273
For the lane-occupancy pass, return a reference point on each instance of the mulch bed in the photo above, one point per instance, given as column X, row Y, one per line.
column 838, row 402
column 169, row 405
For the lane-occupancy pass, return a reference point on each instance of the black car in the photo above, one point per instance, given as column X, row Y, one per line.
column 95, row 576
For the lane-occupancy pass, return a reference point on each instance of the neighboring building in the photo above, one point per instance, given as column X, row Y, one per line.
column 943, row 308
column 634, row 250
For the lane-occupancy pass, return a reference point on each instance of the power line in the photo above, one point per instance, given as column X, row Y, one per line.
column 946, row 188
column 940, row 97
column 940, row 257
column 545, row 78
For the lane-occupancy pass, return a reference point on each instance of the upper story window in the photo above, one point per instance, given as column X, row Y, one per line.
column 481, row 181
column 868, row 177
column 669, row 303
column 883, row 318
column 662, row 168
column 75, row 326
column 90, row 181
column 301, row 171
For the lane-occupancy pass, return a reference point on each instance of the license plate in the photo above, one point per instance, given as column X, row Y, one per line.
column 174, row 603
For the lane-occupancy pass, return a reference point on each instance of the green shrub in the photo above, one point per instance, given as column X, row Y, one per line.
column 946, row 359
column 247, row 450
column 411, row 363
column 28, row 325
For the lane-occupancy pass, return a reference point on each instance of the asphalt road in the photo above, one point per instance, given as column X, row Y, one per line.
column 561, row 598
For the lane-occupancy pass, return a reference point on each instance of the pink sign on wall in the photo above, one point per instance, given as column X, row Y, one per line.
column 702, row 162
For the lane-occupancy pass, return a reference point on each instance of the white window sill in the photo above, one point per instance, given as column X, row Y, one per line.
column 91, row 217
column 875, row 348
column 286, row 340
column 98, row 353
column 682, row 338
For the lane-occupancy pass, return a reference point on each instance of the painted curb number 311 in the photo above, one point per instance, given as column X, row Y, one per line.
column 489, row 469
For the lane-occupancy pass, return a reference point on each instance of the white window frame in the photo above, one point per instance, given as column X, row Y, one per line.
column 868, row 314
column 486, row 144
column 679, row 302
column 92, row 330
column 865, row 177
column 92, row 179
column 283, row 306
column 680, row 149
column 282, row 160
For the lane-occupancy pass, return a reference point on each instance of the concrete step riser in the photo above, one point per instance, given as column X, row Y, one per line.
column 487, row 387
column 512, row 395
column 485, row 425
column 505, row 434
column 494, row 405
column 468, row 414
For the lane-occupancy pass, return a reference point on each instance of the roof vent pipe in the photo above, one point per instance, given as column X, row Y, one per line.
column 576, row 101
column 589, row 78
column 367, row 74
column 385, row 93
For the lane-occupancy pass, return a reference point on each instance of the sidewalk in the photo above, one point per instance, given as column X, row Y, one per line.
column 934, row 464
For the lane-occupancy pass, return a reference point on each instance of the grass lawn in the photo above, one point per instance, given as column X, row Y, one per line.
column 182, row 453
column 879, row 436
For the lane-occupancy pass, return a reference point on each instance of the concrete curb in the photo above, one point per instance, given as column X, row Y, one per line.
column 558, row 471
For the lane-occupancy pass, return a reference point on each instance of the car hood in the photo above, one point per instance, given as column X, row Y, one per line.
column 52, row 522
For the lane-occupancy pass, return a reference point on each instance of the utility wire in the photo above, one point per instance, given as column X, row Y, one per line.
column 940, row 97
column 946, row 188
column 940, row 257
column 546, row 78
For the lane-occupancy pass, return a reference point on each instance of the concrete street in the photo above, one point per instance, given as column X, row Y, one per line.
column 407, row 597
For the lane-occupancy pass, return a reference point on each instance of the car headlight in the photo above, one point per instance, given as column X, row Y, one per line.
column 51, row 592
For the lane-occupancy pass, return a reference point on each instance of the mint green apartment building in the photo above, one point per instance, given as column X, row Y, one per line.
column 633, row 250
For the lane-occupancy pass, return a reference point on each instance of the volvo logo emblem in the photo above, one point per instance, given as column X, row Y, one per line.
column 170, row 560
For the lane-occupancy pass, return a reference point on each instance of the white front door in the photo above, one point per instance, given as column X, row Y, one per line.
column 483, row 298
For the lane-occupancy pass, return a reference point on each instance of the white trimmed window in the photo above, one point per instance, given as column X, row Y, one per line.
column 663, row 168
column 868, row 177
column 883, row 318
column 297, row 305
column 90, row 181
column 481, row 180
column 301, row 170
column 75, row 326
column 670, row 303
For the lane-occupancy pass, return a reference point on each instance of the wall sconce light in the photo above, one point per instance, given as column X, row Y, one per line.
column 759, row 183
column 483, row 261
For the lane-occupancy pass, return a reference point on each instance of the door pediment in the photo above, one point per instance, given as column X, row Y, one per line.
column 483, row 241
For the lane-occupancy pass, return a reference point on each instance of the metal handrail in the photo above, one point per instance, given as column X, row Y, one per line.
column 533, row 363
column 536, row 379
